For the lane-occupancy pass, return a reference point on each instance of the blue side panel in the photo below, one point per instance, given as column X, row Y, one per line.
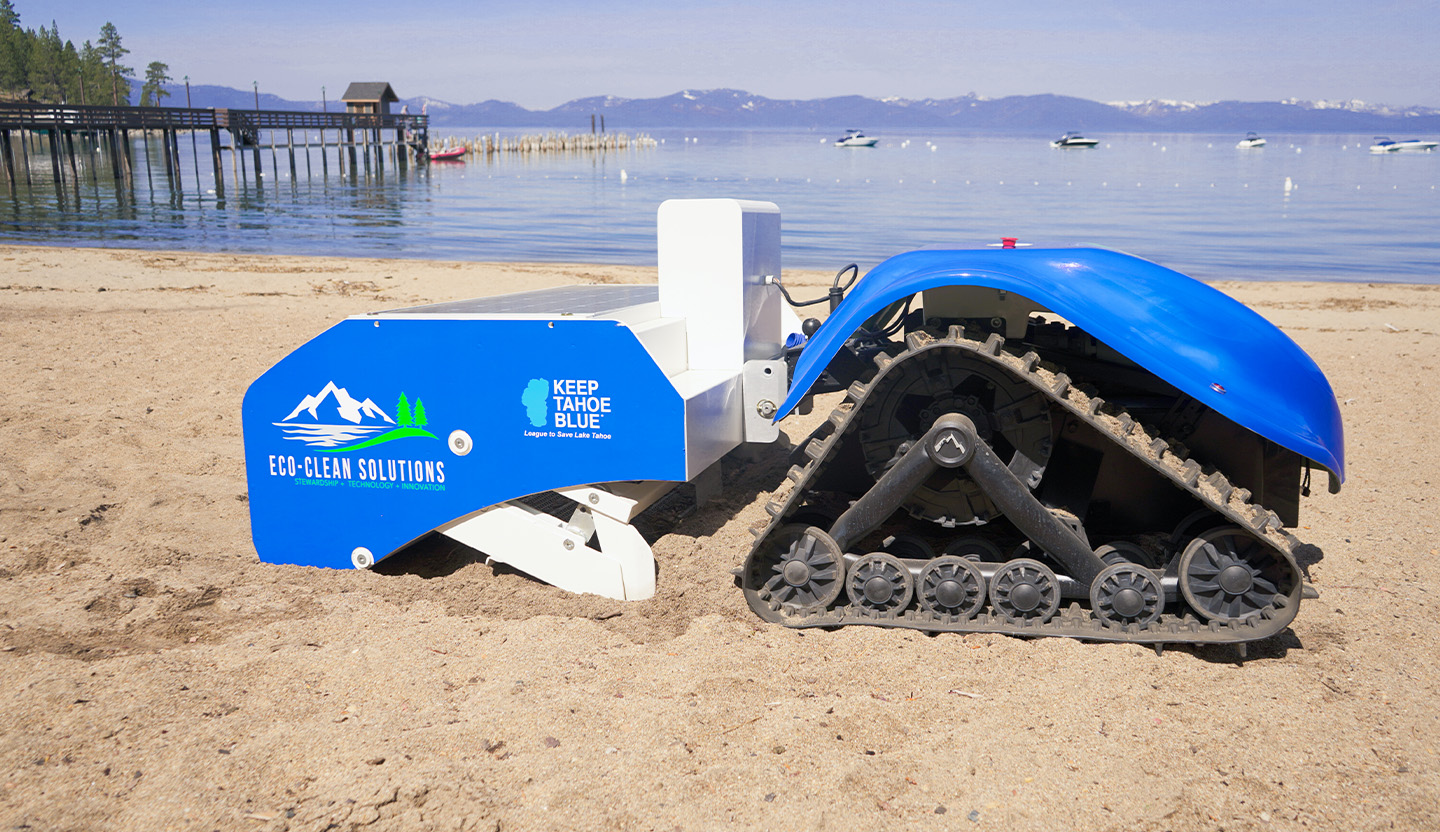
column 1201, row 341
column 492, row 410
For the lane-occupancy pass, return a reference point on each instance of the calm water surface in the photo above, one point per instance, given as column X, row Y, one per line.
column 1191, row 202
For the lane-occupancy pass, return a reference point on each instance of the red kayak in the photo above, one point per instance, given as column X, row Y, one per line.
column 454, row 153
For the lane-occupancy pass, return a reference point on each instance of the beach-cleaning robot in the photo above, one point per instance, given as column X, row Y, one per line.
column 1069, row 442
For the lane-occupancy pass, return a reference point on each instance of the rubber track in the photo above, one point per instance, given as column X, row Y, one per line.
column 1073, row 621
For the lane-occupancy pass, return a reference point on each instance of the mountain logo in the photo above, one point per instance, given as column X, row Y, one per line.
column 332, row 421
column 536, row 401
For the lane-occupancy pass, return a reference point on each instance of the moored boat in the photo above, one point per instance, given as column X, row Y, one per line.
column 1074, row 139
column 1385, row 144
column 1251, row 139
column 449, row 154
column 854, row 138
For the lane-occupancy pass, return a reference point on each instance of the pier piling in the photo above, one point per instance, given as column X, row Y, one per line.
column 49, row 129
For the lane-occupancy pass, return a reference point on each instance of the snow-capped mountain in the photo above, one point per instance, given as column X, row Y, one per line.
column 738, row 109
column 347, row 407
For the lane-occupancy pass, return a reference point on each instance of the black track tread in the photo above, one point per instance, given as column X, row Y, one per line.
column 1211, row 488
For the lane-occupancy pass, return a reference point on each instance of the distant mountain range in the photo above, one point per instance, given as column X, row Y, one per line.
column 1021, row 113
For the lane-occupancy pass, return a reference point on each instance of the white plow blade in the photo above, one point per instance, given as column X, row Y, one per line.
column 559, row 552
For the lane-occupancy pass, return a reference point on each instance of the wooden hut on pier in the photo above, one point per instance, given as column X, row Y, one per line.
column 369, row 97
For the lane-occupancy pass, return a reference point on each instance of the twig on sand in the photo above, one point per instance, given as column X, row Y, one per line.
column 742, row 724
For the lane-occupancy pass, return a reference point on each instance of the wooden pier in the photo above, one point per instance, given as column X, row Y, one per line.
column 358, row 141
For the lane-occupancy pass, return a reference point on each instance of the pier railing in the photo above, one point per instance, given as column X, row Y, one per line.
column 356, row 139
column 26, row 116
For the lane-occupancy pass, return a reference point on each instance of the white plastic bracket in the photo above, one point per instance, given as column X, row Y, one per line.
column 596, row 550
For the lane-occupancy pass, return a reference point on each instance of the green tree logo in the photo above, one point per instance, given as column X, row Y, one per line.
column 402, row 412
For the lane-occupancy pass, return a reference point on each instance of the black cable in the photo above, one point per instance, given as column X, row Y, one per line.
column 835, row 295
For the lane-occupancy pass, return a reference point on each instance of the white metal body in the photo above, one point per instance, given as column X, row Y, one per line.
column 717, row 331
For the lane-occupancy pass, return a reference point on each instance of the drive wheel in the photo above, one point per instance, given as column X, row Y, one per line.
column 1227, row 575
column 952, row 585
column 1009, row 416
column 1025, row 590
column 1125, row 593
column 809, row 575
column 880, row 583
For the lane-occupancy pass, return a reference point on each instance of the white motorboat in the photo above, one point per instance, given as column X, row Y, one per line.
column 1385, row 144
column 854, row 138
column 1074, row 140
column 1251, row 140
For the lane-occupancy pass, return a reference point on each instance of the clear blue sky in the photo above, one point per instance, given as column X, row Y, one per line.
column 540, row 53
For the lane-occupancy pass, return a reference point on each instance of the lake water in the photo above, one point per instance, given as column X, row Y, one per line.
column 1310, row 207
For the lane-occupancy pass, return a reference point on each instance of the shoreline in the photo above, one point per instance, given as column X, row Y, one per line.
column 160, row 676
column 520, row 273
column 447, row 279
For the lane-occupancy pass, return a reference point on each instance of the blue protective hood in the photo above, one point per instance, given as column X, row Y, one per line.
column 1199, row 340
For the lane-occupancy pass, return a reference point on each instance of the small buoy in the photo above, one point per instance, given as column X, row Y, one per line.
column 1289, row 186
column 623, row 175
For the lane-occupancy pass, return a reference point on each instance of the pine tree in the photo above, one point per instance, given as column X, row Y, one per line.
column 112, row 52
column 156, row 76
column 420, row 420
column 73, row 72
column 93, row 74
column 47, row 65
column 14, row 50
column 402, row 412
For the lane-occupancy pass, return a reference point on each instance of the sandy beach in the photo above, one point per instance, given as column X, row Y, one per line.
column 155, row 675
